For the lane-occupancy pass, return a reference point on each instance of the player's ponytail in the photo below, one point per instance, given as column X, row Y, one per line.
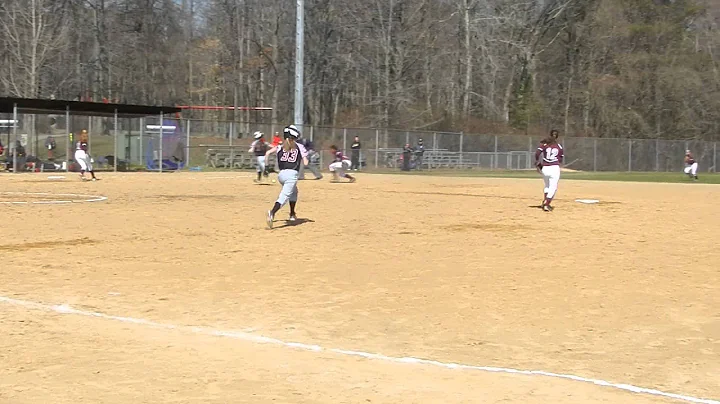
column 289, row 144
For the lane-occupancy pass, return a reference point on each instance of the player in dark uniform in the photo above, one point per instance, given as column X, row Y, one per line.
column 548, row 157
column 259, row 147
column 691, row 166
column 340, row 164
column 290, row 156
column 312, row 155
column 82, row 157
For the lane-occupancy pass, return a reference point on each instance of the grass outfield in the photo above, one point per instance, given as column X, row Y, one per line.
column 704, row 178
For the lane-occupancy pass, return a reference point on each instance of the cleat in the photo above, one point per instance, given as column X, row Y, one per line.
column 352, row 180
column 94, row 179
column 270, row 219
column 547, row 208
column 293, row 218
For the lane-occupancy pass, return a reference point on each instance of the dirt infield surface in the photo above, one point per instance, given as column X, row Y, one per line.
column 455, row 270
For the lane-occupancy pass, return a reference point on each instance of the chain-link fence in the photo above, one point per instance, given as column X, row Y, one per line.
column 47, row 142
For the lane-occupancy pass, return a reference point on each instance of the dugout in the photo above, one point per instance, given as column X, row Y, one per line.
column 47, row 131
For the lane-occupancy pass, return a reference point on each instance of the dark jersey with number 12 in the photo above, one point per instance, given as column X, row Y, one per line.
column 289, row 160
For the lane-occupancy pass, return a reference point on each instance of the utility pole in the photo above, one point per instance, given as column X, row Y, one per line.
column 299, row 55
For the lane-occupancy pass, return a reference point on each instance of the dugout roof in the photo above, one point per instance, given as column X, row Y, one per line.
column 38, row 106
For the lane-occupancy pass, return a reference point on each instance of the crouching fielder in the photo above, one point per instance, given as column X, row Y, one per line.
column 83, row 158
column 548, row 157
column 691, row 166
column 340, row 164
column 290, row 155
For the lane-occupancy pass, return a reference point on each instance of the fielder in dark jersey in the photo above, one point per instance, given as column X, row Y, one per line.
column 340, row 163
column 290, row 156
column 259, row 147
column 548, row 157
column 82, row 157
column 691, row 165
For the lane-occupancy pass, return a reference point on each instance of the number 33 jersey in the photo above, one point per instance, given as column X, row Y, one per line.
column 291, row 159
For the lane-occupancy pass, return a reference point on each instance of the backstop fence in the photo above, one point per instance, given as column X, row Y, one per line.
column 199, row 145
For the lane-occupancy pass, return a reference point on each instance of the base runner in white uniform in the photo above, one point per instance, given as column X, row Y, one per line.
column 290, row 155
column 82, row 157
column 548, row 157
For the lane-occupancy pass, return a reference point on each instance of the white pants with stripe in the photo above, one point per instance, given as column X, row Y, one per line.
column 289, row 192
column 339, row 167
column 691, row 169
column 260, row 164
column 551, row 176
column 83, row 159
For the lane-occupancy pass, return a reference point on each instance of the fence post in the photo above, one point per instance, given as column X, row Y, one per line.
column 115, row 149
column 312, row 133
column 462, row 160
column 407, row 138
column 594, row 154
column 187, row 144
column 345, row 140
column 69, row 139
column 495, row 156
column 714, row 157
column 142, row 133
column 160, row 153
column 89, row 131
column 630, row 155
column 15, row 139
column 657, row 155
column 434, row 140
column 377, row 146
column 230, row 143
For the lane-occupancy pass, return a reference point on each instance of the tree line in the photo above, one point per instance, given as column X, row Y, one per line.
column 605, row 68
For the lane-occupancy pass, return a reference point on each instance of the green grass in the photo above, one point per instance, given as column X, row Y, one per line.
column 705, row 178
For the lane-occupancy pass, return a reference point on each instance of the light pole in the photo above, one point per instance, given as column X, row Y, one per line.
column 299, row 54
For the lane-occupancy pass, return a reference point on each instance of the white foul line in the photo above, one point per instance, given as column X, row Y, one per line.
column 65, row 309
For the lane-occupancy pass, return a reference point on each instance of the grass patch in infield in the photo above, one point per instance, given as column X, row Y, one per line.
column 665, row 177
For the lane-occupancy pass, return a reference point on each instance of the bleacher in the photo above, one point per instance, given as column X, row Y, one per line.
column 237, row 157
column 442, row 158
column 229, row 157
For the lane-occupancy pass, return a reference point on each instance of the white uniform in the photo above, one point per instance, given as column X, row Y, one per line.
column 82, row 157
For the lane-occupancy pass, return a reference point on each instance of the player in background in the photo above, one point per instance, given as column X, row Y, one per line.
column 340, row 164
column 277, row 140
column 691, row 166
column 290, row 155
column 312, row 154
column 548, row 157
column 82, row 157
column 259, row 147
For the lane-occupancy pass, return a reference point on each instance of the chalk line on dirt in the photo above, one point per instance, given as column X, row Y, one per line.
column 65, row 309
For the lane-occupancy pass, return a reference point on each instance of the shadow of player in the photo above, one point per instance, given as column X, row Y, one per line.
column 297, row 222
column 535, row 206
